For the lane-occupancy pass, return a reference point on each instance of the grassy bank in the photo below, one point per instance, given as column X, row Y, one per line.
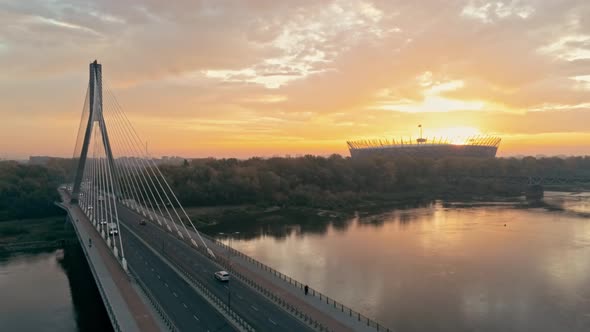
column 29, row 230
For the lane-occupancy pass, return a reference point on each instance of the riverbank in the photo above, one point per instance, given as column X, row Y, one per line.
column 48, row 230
column 241, row 217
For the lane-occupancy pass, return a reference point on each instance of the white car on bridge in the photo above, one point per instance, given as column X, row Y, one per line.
column 113, row 229
column 222, row 275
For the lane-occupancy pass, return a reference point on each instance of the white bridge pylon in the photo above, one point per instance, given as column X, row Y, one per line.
column 113, row 172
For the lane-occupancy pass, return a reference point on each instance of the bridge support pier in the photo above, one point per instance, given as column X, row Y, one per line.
column 534, row 192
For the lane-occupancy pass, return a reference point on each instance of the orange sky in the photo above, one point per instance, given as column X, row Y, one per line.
column 262, row 77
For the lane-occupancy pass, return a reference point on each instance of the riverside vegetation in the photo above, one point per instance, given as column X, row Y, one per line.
column 309, row 182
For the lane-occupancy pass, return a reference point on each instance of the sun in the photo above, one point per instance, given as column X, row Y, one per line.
column 454, row 135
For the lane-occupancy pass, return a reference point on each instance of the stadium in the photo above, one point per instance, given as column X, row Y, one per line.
column 477, row 146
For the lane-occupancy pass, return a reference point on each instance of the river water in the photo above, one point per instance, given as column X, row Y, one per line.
column 49, row 291
column 446, row 267
column 438, row 267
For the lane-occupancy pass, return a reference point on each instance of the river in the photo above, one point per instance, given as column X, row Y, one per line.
column 446, row 267
column 49, row 291
column 438, row 267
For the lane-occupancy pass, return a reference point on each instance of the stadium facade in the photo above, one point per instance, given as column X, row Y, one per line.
column 479, row 147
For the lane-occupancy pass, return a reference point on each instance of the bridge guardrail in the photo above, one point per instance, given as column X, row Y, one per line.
column 277, row 299
column 274, row 297
column 330, row 301
column 239, row 320
column 153, row 301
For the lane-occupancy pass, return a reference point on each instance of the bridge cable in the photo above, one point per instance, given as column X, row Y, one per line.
column 150, row 170
column 124, row 116
column 141, row 174
column 115, row 126
column 145, row 174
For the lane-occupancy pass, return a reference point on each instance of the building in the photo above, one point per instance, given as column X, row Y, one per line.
column 480, row 147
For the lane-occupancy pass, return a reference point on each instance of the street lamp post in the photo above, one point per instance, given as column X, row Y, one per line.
column 230, row 238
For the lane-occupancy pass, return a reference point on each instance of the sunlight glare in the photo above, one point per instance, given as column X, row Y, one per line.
column 455, row 135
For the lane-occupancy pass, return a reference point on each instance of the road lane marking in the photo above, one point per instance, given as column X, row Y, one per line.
column 253, row 307
column 272, row 321
column 197, row 318
column 174, row 293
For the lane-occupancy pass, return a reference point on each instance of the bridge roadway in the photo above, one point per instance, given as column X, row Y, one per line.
column 185, row 307
column 178, row 298
column 182, row 304
column 252, row 306
column 126, row 308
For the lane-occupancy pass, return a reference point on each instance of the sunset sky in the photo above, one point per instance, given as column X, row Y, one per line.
column 267, row 77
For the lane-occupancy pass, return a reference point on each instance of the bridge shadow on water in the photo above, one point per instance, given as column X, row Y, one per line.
column 294, row 222
column 90, row 312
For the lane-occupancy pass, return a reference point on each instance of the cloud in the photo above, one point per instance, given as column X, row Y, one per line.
column 321, row 70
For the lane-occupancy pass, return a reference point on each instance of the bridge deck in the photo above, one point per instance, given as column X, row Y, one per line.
column 323, row 310
column 122, row 301
column 248, row 271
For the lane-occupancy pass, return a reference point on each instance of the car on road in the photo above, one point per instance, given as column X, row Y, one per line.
column 222, row 275
column 142, row 222
column 103, row 222
column 113, row 229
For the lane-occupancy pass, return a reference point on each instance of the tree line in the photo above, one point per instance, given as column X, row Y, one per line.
column 28, row 191
column 336, row 181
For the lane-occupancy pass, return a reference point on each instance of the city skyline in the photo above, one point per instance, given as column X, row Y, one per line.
column 221, row 79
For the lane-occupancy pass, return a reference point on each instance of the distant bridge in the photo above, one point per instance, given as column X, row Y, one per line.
column 153, row 269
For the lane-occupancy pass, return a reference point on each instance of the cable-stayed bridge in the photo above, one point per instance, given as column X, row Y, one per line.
column 153, row 268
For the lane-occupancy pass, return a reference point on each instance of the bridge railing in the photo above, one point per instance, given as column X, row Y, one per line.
column 295, row 311
column 311, row 291
column 155, row 304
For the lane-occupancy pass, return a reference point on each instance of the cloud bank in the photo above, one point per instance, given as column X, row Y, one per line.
column 273, row 77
